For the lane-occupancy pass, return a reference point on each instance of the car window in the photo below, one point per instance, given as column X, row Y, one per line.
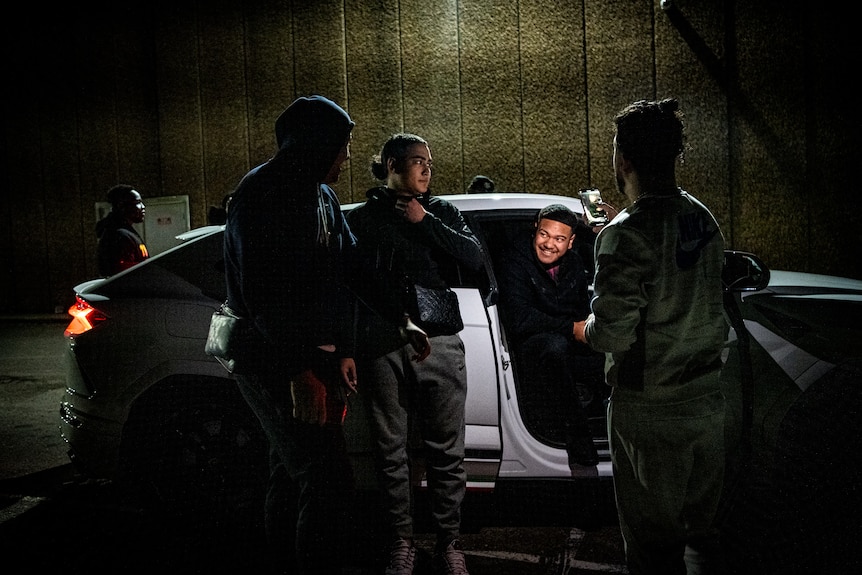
column 495, row 231
column 191, row 269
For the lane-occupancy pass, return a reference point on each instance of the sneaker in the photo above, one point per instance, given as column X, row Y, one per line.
column 402, row 555
column 450, row 561
column 583, row 470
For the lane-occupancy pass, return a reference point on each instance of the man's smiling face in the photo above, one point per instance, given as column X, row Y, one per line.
column 552, row 240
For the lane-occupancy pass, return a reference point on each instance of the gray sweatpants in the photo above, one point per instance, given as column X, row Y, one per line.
column 397, row 389
column 668, row 463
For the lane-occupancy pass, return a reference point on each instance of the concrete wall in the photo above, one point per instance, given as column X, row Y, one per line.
column 179, row 97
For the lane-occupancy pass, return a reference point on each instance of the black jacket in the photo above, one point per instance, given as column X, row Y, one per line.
column 120, row 246
column 286, row 245
column 531, row 302
column 396, row 253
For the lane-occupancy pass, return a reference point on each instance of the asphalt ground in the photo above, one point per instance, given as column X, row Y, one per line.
column 798, row 511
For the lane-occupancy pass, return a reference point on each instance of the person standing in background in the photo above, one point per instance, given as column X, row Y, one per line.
column 657, row 314
column 481, row 185
column 120, row 246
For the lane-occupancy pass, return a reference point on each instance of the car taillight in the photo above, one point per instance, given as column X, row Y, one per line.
column 84, row 318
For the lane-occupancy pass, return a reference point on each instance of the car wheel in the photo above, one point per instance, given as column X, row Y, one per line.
column 195, row 449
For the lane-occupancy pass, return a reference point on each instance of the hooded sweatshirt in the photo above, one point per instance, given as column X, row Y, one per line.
column 286, row 243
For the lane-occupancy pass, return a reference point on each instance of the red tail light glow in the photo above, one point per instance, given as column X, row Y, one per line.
column 84, row 318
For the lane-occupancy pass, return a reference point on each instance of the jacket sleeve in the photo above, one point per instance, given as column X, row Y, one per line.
column 448, row 230
column 624, row 263
column 372, row 286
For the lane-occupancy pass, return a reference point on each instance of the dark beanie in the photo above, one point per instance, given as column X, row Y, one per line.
column 313, row 121
column 558, row 213
column 310, row 133
column 482, row 184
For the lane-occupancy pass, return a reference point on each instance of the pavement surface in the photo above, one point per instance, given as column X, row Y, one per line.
column 798, row 512
column 31, row 386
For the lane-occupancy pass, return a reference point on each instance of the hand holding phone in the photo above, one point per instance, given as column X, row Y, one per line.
column 591, row 199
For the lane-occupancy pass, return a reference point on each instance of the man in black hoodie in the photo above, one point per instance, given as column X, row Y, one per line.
column 286, row 247
column 120, row 246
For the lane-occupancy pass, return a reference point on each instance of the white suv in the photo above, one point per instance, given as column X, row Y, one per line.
column 144, row 402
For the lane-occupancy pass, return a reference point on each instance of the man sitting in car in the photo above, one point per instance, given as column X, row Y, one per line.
column 544, row 291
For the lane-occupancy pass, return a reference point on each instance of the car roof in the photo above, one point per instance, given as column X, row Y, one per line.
column 503, row 201
column 803, row 284
column 198, row 232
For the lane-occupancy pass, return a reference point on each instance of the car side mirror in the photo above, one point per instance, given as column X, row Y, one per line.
column 743, row 271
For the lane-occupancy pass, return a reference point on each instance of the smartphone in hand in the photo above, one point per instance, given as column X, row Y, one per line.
column 591, row 199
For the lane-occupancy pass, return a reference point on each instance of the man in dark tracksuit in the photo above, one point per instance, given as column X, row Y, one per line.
column 286, row 249
column 405, row 235
column 544, row 290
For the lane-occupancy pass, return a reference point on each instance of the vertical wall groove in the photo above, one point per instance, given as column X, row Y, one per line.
column 179, row 98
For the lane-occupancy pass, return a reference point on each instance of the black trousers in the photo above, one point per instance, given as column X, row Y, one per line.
column 558, row 377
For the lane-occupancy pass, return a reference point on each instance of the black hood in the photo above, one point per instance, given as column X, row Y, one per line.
column 311, row 132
